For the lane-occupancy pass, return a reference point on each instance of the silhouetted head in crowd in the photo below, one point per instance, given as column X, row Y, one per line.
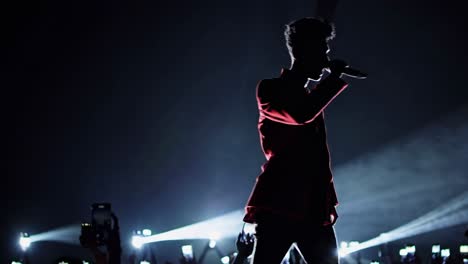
column 69, row 260
column 307, row 43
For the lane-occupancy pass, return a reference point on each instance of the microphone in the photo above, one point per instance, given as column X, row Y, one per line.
column 346, row 70
column 351, row 72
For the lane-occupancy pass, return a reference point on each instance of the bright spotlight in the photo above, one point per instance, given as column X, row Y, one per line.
column 212, row 243
column 374, row 262
column 436, row 249
column 225, row 260
column 403, row 252
column 410, row 249
column 445, row 253
column 137, row 241
column 144, row 262
column 463, row 249
column 24, row 241
column 227, row 225
column 187, row 251
column 16, row 262
column 146, row 232
column 343, row 244
column 353, row 244
column 343, row 252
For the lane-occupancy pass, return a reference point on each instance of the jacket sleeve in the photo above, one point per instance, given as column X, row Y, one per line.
column 293, row 105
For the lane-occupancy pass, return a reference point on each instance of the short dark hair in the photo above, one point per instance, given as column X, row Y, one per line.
column 307, row 28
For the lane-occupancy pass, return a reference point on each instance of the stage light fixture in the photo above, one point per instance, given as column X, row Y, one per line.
column 24, row 241
column 403, row 252
column 410, row 249
column 343, row 250
column 212, row 243
column 137, row 240
column 225, row 260
column 436, row 249
column 464, row 253
column 146, row 232
column 445, row 253
column 353, row 244
column 187, row 252
column 344, row 244
column 464, row 249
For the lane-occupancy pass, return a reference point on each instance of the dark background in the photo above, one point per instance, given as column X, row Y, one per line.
column 151, row 106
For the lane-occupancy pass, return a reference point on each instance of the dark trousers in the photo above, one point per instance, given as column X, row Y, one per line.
column 316, row 243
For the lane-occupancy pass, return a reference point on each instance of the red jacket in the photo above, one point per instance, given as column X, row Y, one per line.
column 296, row 182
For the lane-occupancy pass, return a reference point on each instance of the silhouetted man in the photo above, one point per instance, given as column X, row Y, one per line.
column 294, row 197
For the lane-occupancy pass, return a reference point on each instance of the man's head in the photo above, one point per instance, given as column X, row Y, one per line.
column 307, row 42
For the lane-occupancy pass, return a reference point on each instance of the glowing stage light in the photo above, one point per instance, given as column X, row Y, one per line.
column 187, row 252
column 403, row 252
column 225, row 226
column 342, row 252
column 436, row 249
column 67, row 234
column 374, row 262
column 144, row 262
column 453, row 213
column 137, row 241
column 146, row 232
column 436, row 215
column 410, row 249
column 464, row 253
column 24, row 241
column 353, row 244
column 445, row 253
column 463, row 249
column 16, row 262
column 225, row 260
column 343, row 244
column 212, row 243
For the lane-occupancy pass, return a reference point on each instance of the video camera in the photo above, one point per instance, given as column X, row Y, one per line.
column 96, row 232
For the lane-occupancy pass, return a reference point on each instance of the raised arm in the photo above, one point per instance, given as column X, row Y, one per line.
column 293, row 105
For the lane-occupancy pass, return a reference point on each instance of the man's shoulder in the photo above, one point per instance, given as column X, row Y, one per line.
column 266, row 88
column 268, row 83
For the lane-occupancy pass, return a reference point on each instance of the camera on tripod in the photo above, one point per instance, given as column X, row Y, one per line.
column 96, row 232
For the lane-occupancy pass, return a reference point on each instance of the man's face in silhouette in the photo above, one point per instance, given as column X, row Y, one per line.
column 313, row 56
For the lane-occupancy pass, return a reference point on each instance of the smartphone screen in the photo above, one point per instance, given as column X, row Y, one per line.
column 248, row 228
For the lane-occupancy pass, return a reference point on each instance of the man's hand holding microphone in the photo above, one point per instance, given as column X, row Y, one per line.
column 340, row 67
